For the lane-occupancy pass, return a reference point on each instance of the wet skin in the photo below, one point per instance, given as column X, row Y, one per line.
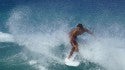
column 73, row 36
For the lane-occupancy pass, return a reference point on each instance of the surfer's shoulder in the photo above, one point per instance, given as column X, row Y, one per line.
column 73, row 31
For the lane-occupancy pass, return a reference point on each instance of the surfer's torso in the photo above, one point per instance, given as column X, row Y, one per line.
column 76, row 32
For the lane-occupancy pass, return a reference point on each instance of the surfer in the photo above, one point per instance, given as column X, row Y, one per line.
column 73, row 36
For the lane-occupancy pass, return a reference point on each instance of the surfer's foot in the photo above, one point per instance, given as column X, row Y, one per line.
column 69, row 57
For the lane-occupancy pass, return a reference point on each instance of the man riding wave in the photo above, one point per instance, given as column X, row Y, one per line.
column 73, row 36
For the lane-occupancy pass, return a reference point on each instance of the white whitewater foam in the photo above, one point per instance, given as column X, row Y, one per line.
column 109, row 53
column 38, row 41
column 32, row 62
column 5, row 37
column 35, row 64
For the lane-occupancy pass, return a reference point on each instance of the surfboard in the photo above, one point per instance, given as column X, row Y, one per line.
column 71, row 61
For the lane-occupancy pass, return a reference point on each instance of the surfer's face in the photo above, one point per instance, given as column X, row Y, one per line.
column 79, row 31
column 79, row 28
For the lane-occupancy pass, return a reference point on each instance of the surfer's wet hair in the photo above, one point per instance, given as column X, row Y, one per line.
column 80, row 25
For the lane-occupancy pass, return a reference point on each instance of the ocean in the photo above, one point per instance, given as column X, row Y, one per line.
column 34, row 34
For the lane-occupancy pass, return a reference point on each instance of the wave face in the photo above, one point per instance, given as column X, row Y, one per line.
column 42, row 29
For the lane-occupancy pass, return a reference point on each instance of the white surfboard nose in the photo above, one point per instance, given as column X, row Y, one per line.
column 70, row 62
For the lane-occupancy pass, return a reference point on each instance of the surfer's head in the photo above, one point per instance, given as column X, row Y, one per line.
column 80, row 25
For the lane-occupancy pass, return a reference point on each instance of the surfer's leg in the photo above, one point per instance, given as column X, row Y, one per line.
column 71, row 52
column 75, row 45
column 74, row 48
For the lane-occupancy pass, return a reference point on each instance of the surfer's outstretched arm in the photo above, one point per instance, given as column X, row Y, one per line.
column 88, row 31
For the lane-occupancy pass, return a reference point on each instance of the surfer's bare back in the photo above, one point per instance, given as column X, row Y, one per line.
column 73, row 36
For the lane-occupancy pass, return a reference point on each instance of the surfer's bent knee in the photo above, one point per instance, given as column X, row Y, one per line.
column 74, row 45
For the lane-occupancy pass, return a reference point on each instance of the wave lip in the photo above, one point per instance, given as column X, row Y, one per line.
column 5, row 37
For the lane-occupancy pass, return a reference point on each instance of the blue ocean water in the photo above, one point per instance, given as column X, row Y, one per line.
column 34, row 34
